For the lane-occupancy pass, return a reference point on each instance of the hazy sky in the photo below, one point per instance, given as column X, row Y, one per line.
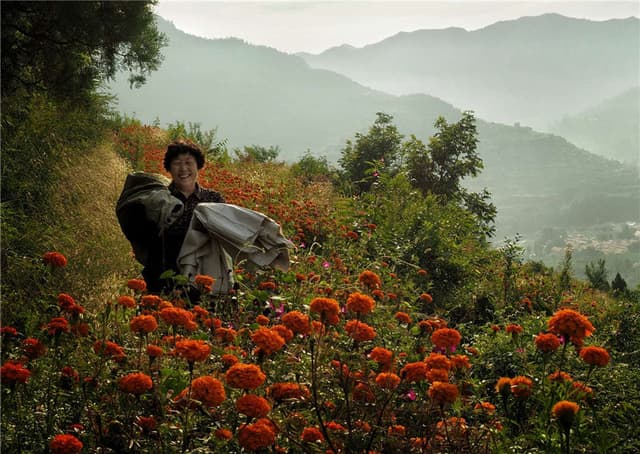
column 312, row 26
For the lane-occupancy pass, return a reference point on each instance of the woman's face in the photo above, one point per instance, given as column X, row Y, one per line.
column 184, row 172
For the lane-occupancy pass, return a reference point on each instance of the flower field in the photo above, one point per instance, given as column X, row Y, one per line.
column 356, row 349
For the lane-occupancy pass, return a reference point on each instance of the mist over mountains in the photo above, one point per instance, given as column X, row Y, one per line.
column 258, row 95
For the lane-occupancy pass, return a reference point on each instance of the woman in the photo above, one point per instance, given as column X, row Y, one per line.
column 183, row 160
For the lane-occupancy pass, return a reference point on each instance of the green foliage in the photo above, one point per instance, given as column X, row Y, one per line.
column 618, row 285
column 257, row 153
column 368, row 155
column 208, row 140
column 68, row 48
column 311, row 169
column 597, row 275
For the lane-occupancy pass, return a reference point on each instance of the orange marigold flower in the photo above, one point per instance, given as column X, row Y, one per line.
column 200, row 312
column 387, row 380
column 565, row 412
column 513, row 328
column 212, row 323
column 192, row 350
column 335, row 427
column 382, row 356
column 312, row 435
column 435, row 375
column 204, row 281
column 262, row 320
column 223, row 434
column 14, row 372
column 225, row 335
column 503, row 386
column 521, row 386
column 297, row 322
column 267, row 340
column 65, row 301
column 147, row 423
column 110, row 349
column 176, row 316
column 154, row 351
column 267, row 285
column 460, row 362
column 422, row 272
column 151, row 301
column 126, row 301
column 403, row 318
column 570, row 324
column 245, row 376
column 253, row 406
column 283, row 331
column 437, row 361
column 370, row 280
column 595, row 356
column 57, row 325
column 360, row 303
column 426, row 297
column 547, row 342
column 363, row 393
column 228, row 360
column 414, row 372
column 137, row 284
column 559, row 376
column 65, row 444
column 143, row 324
column 580, row 390
column 486, row 407
column 495, row 328
column 446, row 338
column 327, row 308
column 33, row 348
column 443, row 393
column 8, row 331
column 300, row 277
column 258, row 435
column 54, row 259
column 285, row 391
column 397, row 430
column 208, row 390
column 453, row 426
column 135, row 383
column 360, row 331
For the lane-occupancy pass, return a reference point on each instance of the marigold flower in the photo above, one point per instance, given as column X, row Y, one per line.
column 382, row 356
column 65, row 444
column 228, row 359
column 414, row 372
column 460, row 362
column 208, row 390
column 262, row 320
column 297, row 322
column 223, row 434
column 137, row 284
column 503, row 386
column 154, row 351
column 200, row 312
column 595, row 356
column 443, row 393
column 565, row 412
column 135, row 383
column 327, row 308
column 54, row 259
column 513, row 328
column 253, row 406
column 258, row 435
column 335, row 427
column 441, row 375
column 455, row 427
column 57, row 325
column 267, row 285
column 560, row 377
column 570, row 324
column 495, row 328
column 204, row 281
column 446, row 338
column 363, row 393
column 212, row 323
column 151, row 301
column 437, row 361
column 268, row 341
column 426, row 298
column 147, row 423
column 176, row 316
column 225, row 335
column 8, row 331
column 126, row 301
column 245, row 376
column 396, row 430
column 286, row 390
column 143, row 324
column 360, row 303
column 66, row 301
column 486, row 407
column 33, row 348
column 547, row 342
column 422, row 272
column 360, row 331
column 403, row 318
column 108, row 348
column 13, row 372
column 192, row 350
column 580, row 390
column 370, row 280
column 312, row 435
column 521, row 386
column 387, row 380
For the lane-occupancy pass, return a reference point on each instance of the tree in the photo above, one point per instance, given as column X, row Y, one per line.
column 257, row 153
column 597, row 275
column 369, row 154
column 619, row 285
column 441, row 167
column 69, row 48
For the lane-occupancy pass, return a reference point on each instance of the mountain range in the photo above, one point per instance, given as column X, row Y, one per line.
column 256, row 95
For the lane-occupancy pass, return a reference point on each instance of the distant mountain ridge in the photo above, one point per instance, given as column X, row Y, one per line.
column 533, row 70
column 258, row 95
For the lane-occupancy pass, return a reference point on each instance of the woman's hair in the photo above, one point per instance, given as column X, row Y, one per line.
column 178, row 147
